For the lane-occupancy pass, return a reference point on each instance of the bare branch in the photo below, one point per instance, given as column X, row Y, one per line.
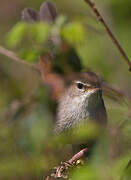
column 36, row 67
column 15, row 58
column 107, row 87
column 111, row 35
column 79, row 155
column 63, row 170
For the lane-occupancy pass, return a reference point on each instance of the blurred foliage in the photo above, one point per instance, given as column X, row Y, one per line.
column 27, row 114
column 39, row 33
column 16, row 35
column 73, row 33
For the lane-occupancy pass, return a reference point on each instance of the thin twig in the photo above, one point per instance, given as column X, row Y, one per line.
column 63, row 170
column 79, row 155
column 118, row 92
column 111, row 35
column 15, row 58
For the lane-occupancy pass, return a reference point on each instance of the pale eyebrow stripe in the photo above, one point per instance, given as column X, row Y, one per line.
column 79, row 82
column 85, row 84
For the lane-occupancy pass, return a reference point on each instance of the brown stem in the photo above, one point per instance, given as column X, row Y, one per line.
column 78, row 155
column 111, row 35
column 119, row 93
column 15, row 58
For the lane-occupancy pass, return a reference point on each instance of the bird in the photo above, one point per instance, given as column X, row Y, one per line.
column 81, row 103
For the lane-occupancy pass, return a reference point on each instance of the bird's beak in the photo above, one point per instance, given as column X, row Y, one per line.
column 96, row 89
column 93, row 89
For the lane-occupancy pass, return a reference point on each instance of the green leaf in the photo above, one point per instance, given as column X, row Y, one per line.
column 15, row 36
column 29, row 55
column 73, row 33
column 40, row 32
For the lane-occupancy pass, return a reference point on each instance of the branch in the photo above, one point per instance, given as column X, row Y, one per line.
column 79, row 155
column 63, row 170
column 35, row 67
column 107, row 87
column 15, row 58
column 111, row 35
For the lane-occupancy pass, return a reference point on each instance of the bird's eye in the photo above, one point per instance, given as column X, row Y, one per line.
column 80, row 85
